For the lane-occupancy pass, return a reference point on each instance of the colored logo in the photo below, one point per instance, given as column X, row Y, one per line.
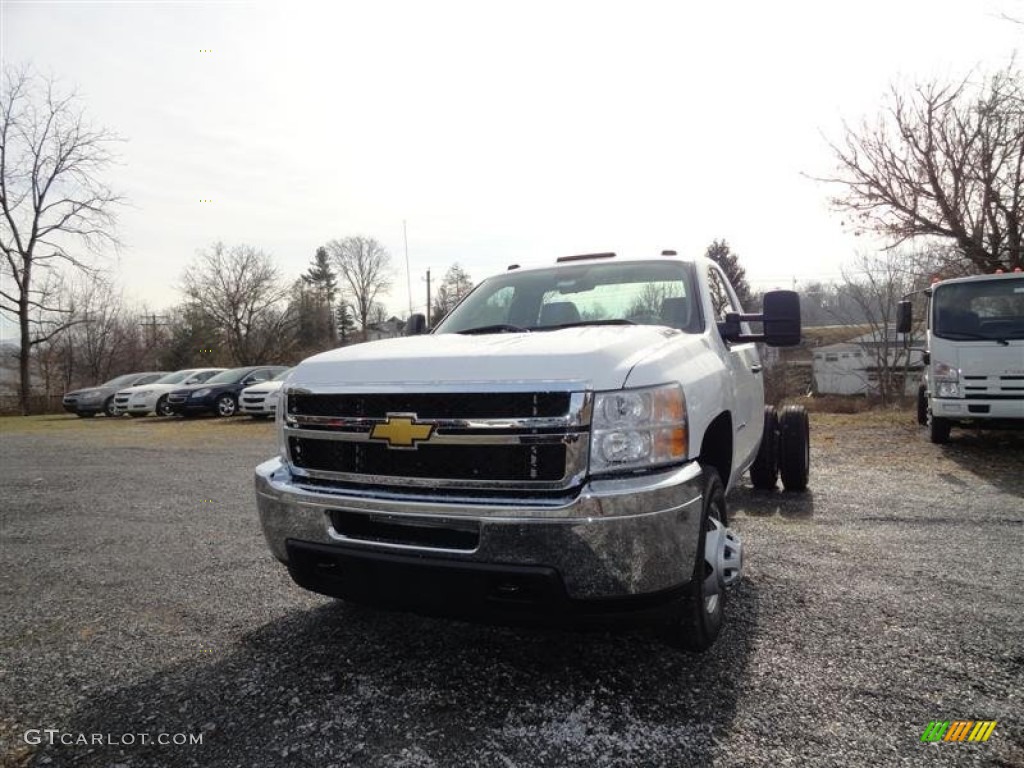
column 958, row 730
column 402, row 431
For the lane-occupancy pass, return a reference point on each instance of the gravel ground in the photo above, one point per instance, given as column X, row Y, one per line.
column 138, row 598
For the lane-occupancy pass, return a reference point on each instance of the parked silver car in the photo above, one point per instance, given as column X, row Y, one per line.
column 100, row 399
column 148, row 398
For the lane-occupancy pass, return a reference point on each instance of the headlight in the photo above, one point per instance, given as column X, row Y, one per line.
column 947, row 380
column 91, row 396
column 142, row 393
column 637, row 428
column 202, row 392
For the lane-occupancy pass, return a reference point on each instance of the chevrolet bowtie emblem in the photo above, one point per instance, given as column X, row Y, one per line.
column 401, row 431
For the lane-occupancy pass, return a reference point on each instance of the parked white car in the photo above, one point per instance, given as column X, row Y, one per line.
column 260, row 400
column 138, row 401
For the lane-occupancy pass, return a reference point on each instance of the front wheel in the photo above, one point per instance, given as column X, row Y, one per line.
column 922, row 405
column 718, row 563
column 163, row 408
column 109, row 408
column 226, row 405
column 939, row 429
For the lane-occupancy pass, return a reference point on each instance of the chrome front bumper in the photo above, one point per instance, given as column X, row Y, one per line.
column 617, row 538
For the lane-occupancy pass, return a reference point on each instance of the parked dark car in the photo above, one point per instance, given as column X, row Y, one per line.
column 100, row 399
column 219, row 395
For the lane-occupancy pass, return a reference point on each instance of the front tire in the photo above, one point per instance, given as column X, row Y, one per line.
column 794, row 447
column 703, row 609
column 764, row 472
column 226, row 406
column 163, row 408
column 922, row 405
column 939, row 429
column 109, row 408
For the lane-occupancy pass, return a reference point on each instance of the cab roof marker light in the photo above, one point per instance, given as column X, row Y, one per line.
column 585, row 256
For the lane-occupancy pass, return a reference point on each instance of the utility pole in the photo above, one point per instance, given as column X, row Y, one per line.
column 428, row 297
column 152, row 325
column 408, row 279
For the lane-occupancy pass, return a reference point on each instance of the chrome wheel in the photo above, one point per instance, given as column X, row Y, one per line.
column 163, row 408
column 226, row 406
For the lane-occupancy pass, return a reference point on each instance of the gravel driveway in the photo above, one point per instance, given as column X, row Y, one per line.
column 139, row 599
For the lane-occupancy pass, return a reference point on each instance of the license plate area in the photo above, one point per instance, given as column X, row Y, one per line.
column 431, row 533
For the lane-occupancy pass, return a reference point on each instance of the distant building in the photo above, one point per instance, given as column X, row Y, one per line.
column 389, row 329
column 852, row 367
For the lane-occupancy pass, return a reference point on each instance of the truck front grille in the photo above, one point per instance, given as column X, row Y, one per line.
column 444, row 462
column 513, row 441
column 994, row 387
column 454, row 405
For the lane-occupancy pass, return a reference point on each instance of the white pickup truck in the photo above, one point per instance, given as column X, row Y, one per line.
column 558, row 448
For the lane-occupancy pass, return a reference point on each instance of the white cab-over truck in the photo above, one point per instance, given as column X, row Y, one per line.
column 558, row 448
column 974, row 358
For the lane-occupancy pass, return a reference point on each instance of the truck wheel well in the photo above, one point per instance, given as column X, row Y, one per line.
column 716, row 448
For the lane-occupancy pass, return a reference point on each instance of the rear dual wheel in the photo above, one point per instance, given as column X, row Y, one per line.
column 785, row 450
column 794, row 447
column 764, row 472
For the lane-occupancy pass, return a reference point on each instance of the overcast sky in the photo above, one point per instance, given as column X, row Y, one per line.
column 500, row 133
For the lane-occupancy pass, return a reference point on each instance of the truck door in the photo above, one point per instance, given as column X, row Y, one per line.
column 745, row 372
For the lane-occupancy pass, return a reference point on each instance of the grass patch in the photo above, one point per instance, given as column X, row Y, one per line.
column 143, row 431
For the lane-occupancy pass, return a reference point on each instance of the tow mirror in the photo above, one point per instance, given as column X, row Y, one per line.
column 781, row 318
column 904, row 317
column 415, row 325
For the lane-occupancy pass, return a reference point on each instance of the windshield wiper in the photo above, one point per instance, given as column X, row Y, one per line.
column 617, row 321
column 971, row 336
column 496, row 328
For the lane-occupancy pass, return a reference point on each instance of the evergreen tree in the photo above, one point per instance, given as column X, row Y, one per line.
column 720, row 253
column 345, row 324
column 321, row 278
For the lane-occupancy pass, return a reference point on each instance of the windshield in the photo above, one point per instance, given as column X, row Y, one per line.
column 282, row 374
column 173, row 378
column 642, row 292
column 986, row 309
column 121, row 381
column 228, row 377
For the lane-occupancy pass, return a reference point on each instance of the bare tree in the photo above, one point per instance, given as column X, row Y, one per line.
column 364, row 266
column 51, row 198
column 872, row 286
column 456, row 284
column 942, row 161
column 240, row 289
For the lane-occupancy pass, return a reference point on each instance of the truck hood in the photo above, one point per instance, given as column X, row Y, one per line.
column 594, row 357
